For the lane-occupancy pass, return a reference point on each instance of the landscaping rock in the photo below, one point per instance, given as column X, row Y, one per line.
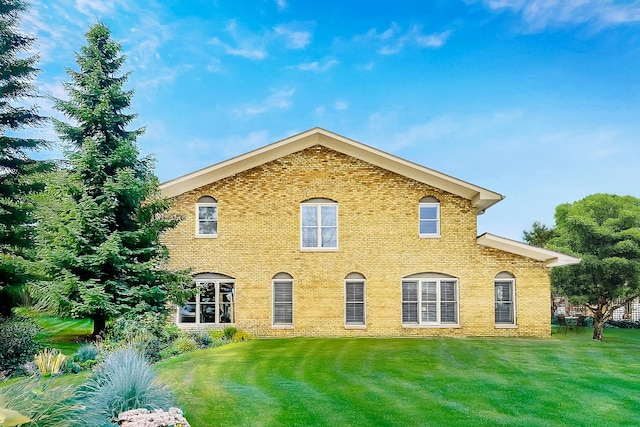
column 157, row 418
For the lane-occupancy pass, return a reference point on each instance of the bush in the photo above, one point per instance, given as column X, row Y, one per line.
column 149, row 334
column 85, row 353
column 201, row 338
column 50, row 361
column 184, row 345
column 45, row 406
column 626, row 324
column 241, row 335
column 19, row 345
column 229, row 332
column 124, row 381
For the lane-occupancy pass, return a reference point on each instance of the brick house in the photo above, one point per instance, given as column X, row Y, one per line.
column 319, row 235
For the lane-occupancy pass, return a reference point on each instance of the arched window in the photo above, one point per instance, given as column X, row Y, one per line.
column 505, row 299
column 429, row 214
column 207, row 217
column 319, row 224
column 213, row 304
column 283, row 299
column 430, row 299
column 354, row 297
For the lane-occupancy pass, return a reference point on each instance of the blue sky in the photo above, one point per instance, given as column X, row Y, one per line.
column 537, row 100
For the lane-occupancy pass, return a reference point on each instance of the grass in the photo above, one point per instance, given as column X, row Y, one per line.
column 67, row 335
column 563, row 380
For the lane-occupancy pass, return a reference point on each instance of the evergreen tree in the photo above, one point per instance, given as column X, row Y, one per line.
column 100, row 227
column 17, row 169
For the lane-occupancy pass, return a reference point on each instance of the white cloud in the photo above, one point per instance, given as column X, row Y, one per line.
column 540, row 14
column 316, row 67
column 244, row 51
column 341, row 105
column 278, row 100
column 393, row 40
column 282, row 4
column 295, row 38
column 99, row 8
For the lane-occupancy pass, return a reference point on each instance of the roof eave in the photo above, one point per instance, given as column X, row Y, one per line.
column 550, row 258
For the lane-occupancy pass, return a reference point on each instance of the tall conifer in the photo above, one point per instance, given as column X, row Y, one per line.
column 99, row 231
column 17, row 169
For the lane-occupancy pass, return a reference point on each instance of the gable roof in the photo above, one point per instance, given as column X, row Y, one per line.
column 480, row 197
column 550, row 258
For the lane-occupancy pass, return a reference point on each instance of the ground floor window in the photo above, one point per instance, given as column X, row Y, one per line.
column 283, row 299
column 430, row 300
column 504, row 286
column 354, row 300
column 213, row 304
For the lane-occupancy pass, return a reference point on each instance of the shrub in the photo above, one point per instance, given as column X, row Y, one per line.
column 149, row 334
column 124, row 381
column 626, row 324
column 86, row 352
column 201, row 338
column 50, row 361
column 241, row 335
column 19, row 345
column 184, row 345
column 229, row 332
column 45, row 406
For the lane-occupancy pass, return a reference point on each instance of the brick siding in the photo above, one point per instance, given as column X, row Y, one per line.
column 259, row 236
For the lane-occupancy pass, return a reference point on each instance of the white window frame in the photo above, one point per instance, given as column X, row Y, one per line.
column 355, row 325
column 218, row 303
column 282, row 325
column 198, row 220
column 318, row 206
column 512, row 284
column 436, row 220
column 422, row 306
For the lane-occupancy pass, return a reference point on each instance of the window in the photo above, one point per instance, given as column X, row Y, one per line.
column 429, row 212
column 283, row 299
column 213, row 304
column 505, row 299
column 354, row 300
column 430, row 300
column 207, row 217
column 319, row 224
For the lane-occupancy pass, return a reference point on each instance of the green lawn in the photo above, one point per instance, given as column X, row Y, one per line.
column 64, row 334
column 563, row 380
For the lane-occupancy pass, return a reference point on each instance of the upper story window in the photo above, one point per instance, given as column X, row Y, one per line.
column 319, row 224
column 207, row 217
column 430, row 299
column 504, row 286
column 429, row 213
column 213, row 304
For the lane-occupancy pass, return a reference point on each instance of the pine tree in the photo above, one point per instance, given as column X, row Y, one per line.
column 17, row 169
column 99, row 230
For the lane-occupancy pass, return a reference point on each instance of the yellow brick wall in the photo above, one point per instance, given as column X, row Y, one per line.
column 259, row 236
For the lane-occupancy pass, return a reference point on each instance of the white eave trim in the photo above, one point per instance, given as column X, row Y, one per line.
column 550, row 258
column 481, row 198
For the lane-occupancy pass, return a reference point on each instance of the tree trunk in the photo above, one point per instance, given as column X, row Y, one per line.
column 99, row 323
column 599, row 320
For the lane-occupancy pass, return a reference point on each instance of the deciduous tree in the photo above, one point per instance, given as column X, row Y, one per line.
column 603, row 230
column 99, row 230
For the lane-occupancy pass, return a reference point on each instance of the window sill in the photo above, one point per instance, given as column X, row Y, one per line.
column 318, row 249
column 443, row 326
column 430, row 236
column 355, row 326
column 282, row 326
column 206, row 236
column 506, row 326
